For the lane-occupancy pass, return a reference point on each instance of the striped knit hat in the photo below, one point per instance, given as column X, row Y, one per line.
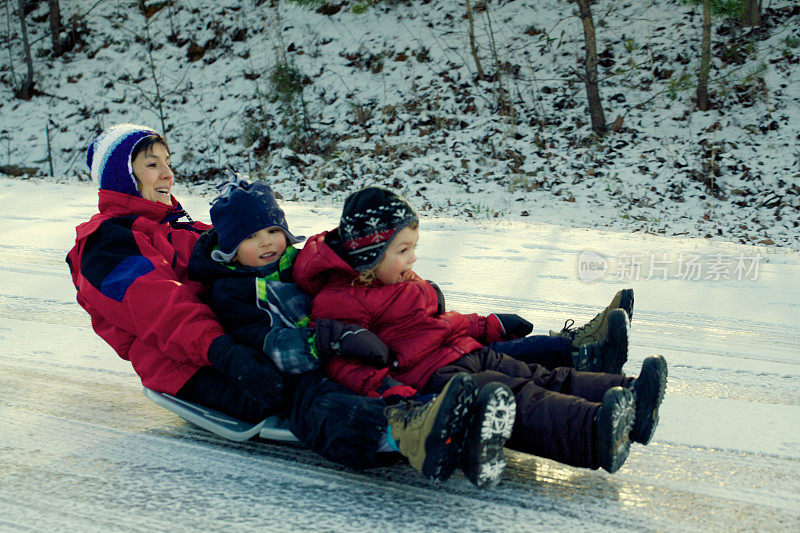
column 109, row 157
column 371, row 218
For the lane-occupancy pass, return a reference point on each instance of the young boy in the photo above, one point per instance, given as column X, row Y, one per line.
column 247, row 259
column 361, row 273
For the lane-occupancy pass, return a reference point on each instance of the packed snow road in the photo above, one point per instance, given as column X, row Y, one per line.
column 82, row 449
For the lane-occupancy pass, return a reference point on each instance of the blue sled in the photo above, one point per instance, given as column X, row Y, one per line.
column 272, row 428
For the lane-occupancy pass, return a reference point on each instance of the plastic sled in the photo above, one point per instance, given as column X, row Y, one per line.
column 272, row 428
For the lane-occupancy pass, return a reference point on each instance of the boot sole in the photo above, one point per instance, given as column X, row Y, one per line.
column 626, row 302
column 614, row 423
column 649, row 389
column 491, row 427
column 445, row 442
column 617, row 355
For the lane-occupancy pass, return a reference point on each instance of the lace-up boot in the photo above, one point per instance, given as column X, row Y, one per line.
column 608, row 355
column 597, row 328
column 612, row 426
column 648, row 391
column 431, row 435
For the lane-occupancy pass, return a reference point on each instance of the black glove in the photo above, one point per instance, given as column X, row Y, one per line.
column 250, row 370
column 514, row 325
column 439, row 298
column 336, row 338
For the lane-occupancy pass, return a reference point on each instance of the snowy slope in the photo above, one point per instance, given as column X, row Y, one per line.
column 392, row 95
column 81, row 448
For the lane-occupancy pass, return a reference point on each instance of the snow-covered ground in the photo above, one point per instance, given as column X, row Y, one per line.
column 82, row 450
column 392, row 95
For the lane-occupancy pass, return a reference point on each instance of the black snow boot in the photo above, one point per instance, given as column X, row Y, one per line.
column 609, row 354
column 493, row 416
column 648, row 391
column 612, row 427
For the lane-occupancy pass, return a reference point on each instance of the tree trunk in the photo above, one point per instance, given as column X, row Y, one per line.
column 8, row 42
column 159, row 101
column 472, row 46
column 751, row 13
column 26, row 90
column 55, row 26
column 592, row 91
column 705, row 59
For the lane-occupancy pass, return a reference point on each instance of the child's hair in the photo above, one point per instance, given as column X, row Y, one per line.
column 368, row 277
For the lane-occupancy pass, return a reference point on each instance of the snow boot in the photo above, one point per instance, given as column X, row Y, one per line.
column 612, row 427
column 648, row 391
column 597, row 328
column 609, row 354
column 431, row 435
column 493, row 416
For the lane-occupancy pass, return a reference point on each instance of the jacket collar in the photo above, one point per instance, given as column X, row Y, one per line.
column 113, row 204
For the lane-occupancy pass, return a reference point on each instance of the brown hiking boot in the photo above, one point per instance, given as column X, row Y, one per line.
column 596, row 329
column 609, row 354
column 431, row 435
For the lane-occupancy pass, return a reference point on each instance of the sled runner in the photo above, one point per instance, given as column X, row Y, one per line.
column 271, row 428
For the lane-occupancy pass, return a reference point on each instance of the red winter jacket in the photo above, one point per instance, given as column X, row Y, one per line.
column 129, row 266
column 403, row 315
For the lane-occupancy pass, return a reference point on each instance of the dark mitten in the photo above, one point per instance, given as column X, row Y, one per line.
column 514, row 326
column 250, row 370
column 439, row 298
column 393, row 391
column 334, row 338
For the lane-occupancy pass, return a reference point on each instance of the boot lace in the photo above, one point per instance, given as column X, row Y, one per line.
column 569, row 323
column 412, row 411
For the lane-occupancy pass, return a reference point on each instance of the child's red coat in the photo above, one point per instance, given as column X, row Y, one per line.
column 403, row 315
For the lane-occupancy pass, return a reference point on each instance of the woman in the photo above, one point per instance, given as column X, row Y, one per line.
column 129, row 266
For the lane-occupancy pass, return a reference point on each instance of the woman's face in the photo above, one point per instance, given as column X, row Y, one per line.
column 153, row 174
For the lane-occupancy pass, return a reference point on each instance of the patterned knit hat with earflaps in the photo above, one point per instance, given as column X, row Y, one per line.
column 371, row 218
column 109, row 157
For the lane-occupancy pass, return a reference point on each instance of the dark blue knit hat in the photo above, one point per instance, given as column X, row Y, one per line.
column 241, row 209
column 371, row 218
column 109, row 157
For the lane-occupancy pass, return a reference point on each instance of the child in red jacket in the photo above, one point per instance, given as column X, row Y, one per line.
column 361, row 273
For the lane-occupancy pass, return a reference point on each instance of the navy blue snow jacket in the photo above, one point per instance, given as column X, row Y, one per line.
column 261, row 307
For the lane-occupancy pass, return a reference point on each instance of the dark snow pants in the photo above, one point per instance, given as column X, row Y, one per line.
column 546, row 350
column 555, row 408
column 328, row 418
column 339, row 424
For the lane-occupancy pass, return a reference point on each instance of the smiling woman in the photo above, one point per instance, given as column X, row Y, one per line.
column 152, row 170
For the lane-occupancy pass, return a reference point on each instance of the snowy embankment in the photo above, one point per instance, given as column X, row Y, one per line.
column 392, row 96
column 81, row 448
